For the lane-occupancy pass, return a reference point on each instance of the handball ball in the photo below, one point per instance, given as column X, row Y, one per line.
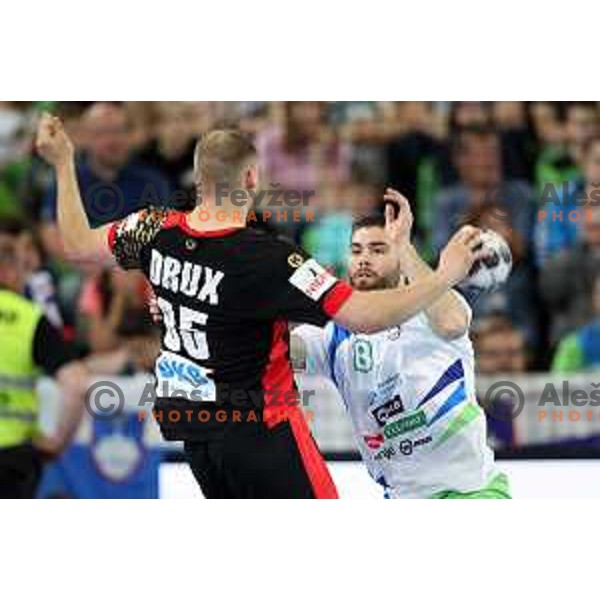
column 488, row 274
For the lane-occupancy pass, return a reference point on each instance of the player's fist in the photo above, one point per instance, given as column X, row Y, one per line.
column 399, row 227
column 457, row 258
column 52, row 143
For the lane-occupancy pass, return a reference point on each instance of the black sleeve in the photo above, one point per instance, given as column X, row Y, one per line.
column 50, row 351
column 292, row 285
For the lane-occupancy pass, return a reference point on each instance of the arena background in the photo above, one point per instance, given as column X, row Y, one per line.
column 516, row 167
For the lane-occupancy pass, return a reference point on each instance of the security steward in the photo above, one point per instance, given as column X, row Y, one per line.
column 29, row 347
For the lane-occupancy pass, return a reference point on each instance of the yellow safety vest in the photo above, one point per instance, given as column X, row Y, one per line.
column 19, row 319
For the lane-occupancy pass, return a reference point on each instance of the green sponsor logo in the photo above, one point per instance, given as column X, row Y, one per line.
column 407, row 423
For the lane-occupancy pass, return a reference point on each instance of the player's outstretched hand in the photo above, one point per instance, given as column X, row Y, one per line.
column 52, row 142
column 397, row 227
column 463, row 249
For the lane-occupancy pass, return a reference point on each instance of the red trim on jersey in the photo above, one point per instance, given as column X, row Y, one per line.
column 336, row 297
column 172, row 219
column 315, row 466
column 279, row 379
column 185, row 226
column 112, row 236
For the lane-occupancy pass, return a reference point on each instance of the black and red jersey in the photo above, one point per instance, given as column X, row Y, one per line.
column 226, row 298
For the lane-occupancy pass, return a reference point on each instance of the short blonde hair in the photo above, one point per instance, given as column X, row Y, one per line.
column 221, row 155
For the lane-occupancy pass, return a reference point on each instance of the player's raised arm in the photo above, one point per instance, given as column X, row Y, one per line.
column 79, row 239
column 449, row 316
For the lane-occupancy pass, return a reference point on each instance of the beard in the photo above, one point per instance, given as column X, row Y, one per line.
column 368, row 280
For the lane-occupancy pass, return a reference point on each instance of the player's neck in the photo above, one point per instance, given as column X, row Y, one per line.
column 210, row 217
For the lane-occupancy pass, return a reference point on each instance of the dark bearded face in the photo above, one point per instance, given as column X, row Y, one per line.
column 373, row 262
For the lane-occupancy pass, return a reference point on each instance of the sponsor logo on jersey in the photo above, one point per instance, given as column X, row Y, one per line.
column 387, row 453
column 312, row 279
column 374, row 441
column 180, row 369
column 295, row 260
column 411, row 422
column 394, row 333
column 383, row 413
column 407, row 447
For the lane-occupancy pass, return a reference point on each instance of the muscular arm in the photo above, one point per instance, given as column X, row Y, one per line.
column 447, row 316
column 368, row 312
column 79, row 239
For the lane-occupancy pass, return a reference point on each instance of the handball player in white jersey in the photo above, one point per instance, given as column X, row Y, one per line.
column 409, row 390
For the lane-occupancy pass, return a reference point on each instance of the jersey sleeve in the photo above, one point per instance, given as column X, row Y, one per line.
column 313, row 340
column 129, row 238
column 294, row 286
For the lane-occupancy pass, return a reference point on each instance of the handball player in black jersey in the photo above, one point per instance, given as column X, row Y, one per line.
column 226, row 293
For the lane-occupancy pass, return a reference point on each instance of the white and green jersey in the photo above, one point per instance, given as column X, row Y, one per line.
column 410, row 395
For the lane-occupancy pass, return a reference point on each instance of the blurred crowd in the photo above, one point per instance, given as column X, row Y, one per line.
column 496, row 164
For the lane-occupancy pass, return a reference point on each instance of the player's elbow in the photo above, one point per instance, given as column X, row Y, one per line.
column 452, row 326
column 359, row 315
column 360, row 323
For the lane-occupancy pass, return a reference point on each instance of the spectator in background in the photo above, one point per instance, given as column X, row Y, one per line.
column 517, row 139
column 517, row 299
column 295, row 151
column 142, row 341
column 417, row 163
column 327, row 239
column 40, row 283
column 36, row 281
column 499, row 347
column 13, row 122
column 138, row 348
column 500, row 350
column 562, row 215
column 104, row 300
column 171, row 149
column 580, row 350
column 465, row 115
column 560, row 160
column 567, row 279
column 366, row 127
column 477, row 155
column 112, row 185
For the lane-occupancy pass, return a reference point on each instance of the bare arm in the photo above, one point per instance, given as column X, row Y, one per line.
column 447, row 316
column 368, row 312
column 79, row 239
column 72, row 382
